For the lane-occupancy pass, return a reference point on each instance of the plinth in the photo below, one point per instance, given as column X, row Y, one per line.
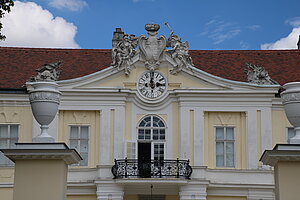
column 285, row 158
column 41, row 170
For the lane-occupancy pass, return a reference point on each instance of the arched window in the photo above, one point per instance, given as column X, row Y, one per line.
column 151, row 128
column 151, row 136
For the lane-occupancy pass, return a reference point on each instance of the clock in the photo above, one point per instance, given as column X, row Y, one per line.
column 152, row 84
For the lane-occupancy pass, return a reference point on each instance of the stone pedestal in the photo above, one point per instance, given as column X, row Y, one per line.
column 41, row 170
column 285, row 158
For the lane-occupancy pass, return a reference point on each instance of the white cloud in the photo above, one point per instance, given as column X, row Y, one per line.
column 73, row 5
column 219, row 30
column 29, row 25
column 295, row 21
column 288, row 42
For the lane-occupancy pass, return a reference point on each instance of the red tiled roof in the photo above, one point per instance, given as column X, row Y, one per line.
column 17, row 65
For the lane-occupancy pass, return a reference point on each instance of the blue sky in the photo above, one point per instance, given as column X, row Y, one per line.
column 205, row 24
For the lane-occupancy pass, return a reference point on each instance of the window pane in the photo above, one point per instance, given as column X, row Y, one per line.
column 162, row 134
column 155, row 134
column 12, row 143
column 220, row 148
column 74, row 132
column 220, row 161
column 161, row 124
column 219, row 133
column 147, row 134
column 141, row 134
column 3, row 144
column 142, row 124
column 74, row 144
column 4, row 131
column 84, row 146
column 85, row 158
column 229, row 133
column 230, row 154
column 84, row 132
column 14, row 129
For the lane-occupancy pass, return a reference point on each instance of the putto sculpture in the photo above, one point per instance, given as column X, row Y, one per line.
column 151, row 50
column 258, row 75
column 179, row 52
column 48, row 72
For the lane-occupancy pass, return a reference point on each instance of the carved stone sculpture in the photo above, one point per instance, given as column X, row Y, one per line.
column 48, row 72
column 258, row 75
column 123, row 53
column 151, row 50
column 152, row 47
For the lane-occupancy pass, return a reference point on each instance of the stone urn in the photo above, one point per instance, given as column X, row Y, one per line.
column 44, row 98
column 291, row 101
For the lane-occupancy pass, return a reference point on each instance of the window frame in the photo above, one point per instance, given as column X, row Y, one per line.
column 8, row 141
column 151, row 128
column 225, row 140
column 79, row 140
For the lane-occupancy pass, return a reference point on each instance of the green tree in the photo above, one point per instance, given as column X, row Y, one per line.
column 5, row 6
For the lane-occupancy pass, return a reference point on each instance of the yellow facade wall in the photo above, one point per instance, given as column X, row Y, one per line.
column 131, row 197
column 225, row 198
column 280, row 124
column 6, row 193
column 89, row 118
column 7, row 174
column 180, row 80
column 230, row 119
column 21, row 116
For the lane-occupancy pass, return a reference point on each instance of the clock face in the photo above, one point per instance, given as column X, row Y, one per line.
column 152, row 84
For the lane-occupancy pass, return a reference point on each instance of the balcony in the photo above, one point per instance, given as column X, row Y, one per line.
column 133, row 168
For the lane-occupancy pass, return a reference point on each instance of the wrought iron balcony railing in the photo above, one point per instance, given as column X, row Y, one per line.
column 133, row 168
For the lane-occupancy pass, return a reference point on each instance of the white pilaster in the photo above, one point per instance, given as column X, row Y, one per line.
column 266, row 126
column 199, row 138
column 193, row 191
column 109, row 191
column 184, row 134
column 105, row 137
column 119, row 133
column 251, row 138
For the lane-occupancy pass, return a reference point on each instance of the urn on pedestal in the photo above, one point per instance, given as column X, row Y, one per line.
column 291, row 101
column 44, row 98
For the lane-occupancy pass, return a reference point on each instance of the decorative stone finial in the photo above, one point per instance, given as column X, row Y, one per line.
column 48, row 72
column 258, row 75
column 152, row 27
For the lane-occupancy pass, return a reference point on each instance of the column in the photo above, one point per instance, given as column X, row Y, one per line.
column 199, row 138
column 119, row 123
column 184, row 134
column 105, row 137
column 252, row 155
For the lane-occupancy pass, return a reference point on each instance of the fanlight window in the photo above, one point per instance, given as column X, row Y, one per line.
column 151, row 128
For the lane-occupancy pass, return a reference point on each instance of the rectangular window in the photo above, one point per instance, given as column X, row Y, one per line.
column 9, row 135
column 159, row 149
column 225, row 147
column 79, row 140
column 290, row 133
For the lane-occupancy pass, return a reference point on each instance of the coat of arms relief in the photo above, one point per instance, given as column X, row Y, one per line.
column 152, row 50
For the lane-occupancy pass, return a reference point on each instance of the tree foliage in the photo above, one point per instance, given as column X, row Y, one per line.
column 5, row 6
